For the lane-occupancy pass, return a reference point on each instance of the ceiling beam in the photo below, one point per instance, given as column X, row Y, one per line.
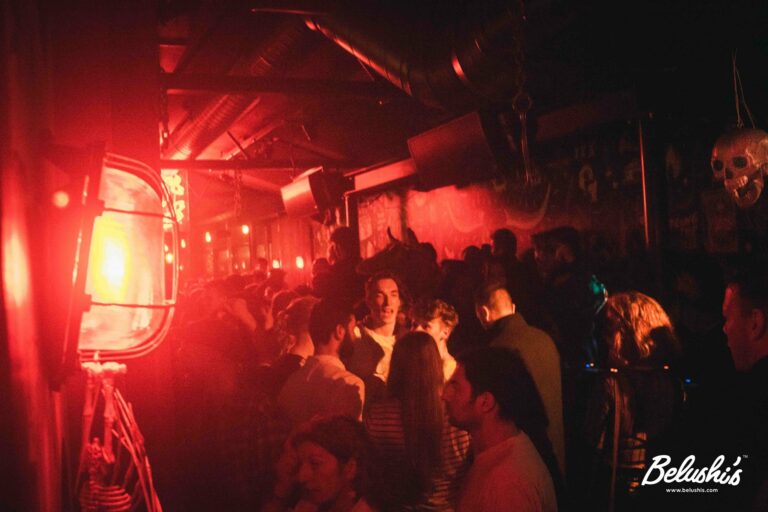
column 299, row 7
column 225, row 84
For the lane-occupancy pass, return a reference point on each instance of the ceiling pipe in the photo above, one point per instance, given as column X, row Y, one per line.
column 197, row 131
column 480, row 62
column 261, row 164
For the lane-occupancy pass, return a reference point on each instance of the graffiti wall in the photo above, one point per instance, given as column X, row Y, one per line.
column 590, row 181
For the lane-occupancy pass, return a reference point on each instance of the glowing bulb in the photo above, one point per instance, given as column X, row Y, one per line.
column 169, row 258
column 299, row 262
column 110, row 260
column 275, row 263
column 165, row 247
column 208, row 237
column 60, row 199
column 183, row 244
column 246, row 229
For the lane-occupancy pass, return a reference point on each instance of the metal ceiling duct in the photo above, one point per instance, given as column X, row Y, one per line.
column 477, row 58
column 197, row 131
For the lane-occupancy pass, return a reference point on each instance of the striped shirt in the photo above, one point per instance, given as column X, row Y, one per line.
column 384, row 425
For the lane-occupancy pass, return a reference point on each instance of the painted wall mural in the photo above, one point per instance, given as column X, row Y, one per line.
column 591, row 181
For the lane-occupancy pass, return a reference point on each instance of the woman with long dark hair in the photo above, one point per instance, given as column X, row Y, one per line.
column 421, row 457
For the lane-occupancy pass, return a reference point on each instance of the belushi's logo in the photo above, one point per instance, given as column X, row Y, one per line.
column 686, row 472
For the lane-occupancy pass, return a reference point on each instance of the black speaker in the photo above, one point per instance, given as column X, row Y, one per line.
column 470, row 148
column 314, row 191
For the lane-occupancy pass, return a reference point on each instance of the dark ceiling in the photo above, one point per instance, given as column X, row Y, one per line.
column 250, row 82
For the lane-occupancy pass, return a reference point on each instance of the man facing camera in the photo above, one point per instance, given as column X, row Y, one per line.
column 745, row 309
column 373, row 352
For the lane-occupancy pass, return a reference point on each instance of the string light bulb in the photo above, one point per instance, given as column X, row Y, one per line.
column 60, row 199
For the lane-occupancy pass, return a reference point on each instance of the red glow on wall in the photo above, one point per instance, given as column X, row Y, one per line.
column 16, row 274
column 453, row 218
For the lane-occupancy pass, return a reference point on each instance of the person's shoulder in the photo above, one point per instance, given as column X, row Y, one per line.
column 542, row 339
column 347, row 377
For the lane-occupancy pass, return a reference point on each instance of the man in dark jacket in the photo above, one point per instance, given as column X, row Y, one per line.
column 508, row 329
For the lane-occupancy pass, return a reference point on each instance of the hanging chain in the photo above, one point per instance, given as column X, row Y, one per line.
column 238, row 193
column 165, row 132
column 518, row 52
column 522, row 102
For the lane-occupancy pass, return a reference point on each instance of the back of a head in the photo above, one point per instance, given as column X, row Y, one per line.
column 234, row 285
column 416, row 367
column 494, row 296
column 646, row 335
column 346, row 242
column 281, row 300
column 325, row 316
column 320, row 265
column 297, row 314
column 425, row 310
column 504, row 242
column 566, row 236
column 429, row 251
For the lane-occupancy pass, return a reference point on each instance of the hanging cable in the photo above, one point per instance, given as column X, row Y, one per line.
column 738, row 95
column 739, row 122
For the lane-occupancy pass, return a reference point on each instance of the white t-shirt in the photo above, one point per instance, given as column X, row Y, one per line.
column 387, row 344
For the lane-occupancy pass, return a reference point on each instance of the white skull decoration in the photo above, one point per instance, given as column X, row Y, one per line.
column 740, row 161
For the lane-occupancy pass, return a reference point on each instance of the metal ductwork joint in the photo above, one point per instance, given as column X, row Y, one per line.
column 197, row 131
column 477, row 58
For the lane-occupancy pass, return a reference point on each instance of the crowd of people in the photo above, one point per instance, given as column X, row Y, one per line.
column 493, row 383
